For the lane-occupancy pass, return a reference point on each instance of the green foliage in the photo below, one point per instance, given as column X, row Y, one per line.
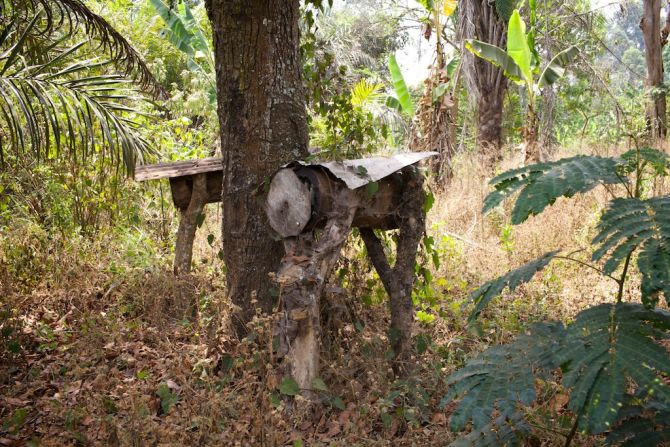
column 541, row 184
column 642, row 422
column 483, row 296
column 503, row 376
column 53, row 94
column 555, row 70
column 632, row 223
column 609, row 349
column 400, row 87
column 606, row 345
column 497, row 57
column 167, row 397
column 505, row 8
column 289, row 387
column 517, row 45
column 185, row 33
column 502, row 431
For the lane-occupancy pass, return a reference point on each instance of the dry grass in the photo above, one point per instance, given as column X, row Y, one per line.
column 98, row 342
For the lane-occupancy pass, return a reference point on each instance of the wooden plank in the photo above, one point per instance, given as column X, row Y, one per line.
column 177, row 169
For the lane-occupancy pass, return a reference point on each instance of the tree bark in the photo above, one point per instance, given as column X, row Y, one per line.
column 651, row 30
column 263, row 125
column 489, row 124
column 478, row 19
column 302, row 278
column 398, row 280
column 188, row 224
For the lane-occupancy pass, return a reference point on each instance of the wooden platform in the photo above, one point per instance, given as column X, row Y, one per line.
column 177, row 169
column 181, row 175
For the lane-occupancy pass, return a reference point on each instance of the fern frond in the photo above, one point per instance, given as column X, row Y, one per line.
column 503, row 375
column 606, row 346
column 631, row 223
column 541, row 184
column 482, row 296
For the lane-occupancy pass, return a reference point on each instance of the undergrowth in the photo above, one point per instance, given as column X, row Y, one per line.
column 102, row 345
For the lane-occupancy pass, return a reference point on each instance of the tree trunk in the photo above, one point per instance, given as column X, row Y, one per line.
column 478, row 19
column 489, row 125
column 263, row 125
column 188, row 224
column 651, row 29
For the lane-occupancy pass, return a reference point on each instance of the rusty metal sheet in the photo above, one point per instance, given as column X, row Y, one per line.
column 357, row 173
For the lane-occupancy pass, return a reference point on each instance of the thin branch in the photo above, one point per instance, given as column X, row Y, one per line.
column 586, row 264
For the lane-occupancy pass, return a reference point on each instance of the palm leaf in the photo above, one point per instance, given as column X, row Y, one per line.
column 43, row 105
column 70, row 16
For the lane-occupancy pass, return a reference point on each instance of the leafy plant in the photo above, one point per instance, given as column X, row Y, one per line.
column 167, row 397
column 185, row 33
column 52, row 94
column 521, row 64
column 400, row 87
column 609, row 349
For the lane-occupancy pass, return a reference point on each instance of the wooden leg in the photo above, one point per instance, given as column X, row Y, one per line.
column 399, row 279
column 188, row 224
column 302, row 277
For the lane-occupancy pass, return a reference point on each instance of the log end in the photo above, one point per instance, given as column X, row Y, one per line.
column 288, row 204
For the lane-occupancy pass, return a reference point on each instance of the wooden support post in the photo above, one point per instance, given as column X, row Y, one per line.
column 302, row 277
column 188, row 224
column 399, row 279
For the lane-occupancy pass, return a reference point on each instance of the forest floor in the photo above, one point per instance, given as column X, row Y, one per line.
column 100, row 351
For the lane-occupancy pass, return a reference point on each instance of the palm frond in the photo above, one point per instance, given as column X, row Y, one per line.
column 58, row 98
column 67, row 17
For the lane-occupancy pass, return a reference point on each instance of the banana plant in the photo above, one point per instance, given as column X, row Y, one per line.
column 521, row 64
column 185, row 33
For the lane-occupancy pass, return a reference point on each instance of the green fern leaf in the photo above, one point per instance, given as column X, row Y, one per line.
column 502, row 431
column 606, row 346
column 541, row 184
column 482, row 296
column 503, row 376
column 631, row 223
